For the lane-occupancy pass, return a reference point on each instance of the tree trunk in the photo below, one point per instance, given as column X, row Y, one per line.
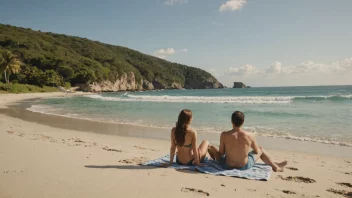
column 7, row 81
column 8, row 77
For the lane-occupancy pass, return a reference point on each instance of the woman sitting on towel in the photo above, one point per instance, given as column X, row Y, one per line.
column 185, row 140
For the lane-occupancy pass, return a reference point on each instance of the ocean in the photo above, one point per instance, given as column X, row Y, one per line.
column 316, row 114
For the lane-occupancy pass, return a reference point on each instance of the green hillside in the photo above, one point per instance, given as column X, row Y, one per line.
column 55, row 59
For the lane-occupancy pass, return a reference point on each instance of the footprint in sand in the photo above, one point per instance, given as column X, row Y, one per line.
column 345, row 184
column 11, row 171
column 340, row 192
column 289, row 192
column 142, row 148
column 135, row 160
column 251, row 190
column 77, row 140
column 298, row 179
column 348, row 173
column 292, row 168
column 20, row 134
column 199, row 192
column 43, row 137
column 10, row 132
column 109, row 149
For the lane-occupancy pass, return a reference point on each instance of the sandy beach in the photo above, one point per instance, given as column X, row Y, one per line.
column 47, row 160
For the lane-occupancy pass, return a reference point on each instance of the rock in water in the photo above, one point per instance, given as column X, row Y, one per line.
column 239, row 85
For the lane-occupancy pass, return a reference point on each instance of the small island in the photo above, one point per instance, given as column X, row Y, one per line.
column 240, row 85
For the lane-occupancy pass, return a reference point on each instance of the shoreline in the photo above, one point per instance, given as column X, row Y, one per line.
column 18, row 109
column 40, row 158
column 287, row 137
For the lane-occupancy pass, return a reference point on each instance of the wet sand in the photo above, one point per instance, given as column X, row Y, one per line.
column 52, row 156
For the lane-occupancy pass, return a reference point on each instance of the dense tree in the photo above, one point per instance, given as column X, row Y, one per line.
column 56, row 59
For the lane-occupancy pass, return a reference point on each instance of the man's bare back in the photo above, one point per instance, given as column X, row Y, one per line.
column 237, row 143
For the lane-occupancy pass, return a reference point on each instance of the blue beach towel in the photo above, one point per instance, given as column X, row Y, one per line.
column 257, row 172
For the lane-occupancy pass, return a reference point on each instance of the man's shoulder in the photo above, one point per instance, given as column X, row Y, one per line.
column 248, row 133
column 226, row 133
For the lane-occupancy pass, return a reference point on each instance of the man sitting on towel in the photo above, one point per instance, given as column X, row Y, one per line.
column 235, row 148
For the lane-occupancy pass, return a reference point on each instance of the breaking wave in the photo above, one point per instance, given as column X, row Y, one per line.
column 222, row 99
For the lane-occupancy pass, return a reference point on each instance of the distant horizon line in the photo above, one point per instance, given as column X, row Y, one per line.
column 293, row 86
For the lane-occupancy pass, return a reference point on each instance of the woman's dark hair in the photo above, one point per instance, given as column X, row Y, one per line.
column 184, row 119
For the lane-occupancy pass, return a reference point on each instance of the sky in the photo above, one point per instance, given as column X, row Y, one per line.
column 258, row 42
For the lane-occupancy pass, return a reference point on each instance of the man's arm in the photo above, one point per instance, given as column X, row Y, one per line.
column 222, row 145
column 254, row 145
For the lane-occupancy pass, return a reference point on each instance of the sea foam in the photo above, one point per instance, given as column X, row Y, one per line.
column 220, row 99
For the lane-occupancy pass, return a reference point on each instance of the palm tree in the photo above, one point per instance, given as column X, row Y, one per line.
column 9, row 64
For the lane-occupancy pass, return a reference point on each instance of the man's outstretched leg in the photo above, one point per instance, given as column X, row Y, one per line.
column 277, row 167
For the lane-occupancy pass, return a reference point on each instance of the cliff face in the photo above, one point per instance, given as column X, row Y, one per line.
column 207, row 84
column 239, row 85
column 127, row 82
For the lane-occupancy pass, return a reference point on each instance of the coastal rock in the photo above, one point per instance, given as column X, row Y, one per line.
column 147, row 85
column 158, row 85
column 176, row 85
column 126, row 82
column 206, row 84
column 239, row 85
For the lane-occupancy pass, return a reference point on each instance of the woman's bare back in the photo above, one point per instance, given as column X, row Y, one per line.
column 185, row 152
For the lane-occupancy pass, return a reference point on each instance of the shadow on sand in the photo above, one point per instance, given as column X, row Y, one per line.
column 187, row 171
column 126, row 167
column 136, row 167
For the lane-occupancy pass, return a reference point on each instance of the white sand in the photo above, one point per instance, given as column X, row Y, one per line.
column 41, row 161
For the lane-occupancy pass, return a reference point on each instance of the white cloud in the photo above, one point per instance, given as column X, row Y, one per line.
column 344, row 65
column 302, row 68
column 232, row 5
column 307, row 67
column 305, row 73
column 173, row 2
column 244, row 70
column 274, row 68
column 164, row 53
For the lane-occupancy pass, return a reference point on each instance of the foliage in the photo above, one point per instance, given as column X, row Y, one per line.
column 67, row 85
column 9, row 64
column 24, row 88
column 55, row 59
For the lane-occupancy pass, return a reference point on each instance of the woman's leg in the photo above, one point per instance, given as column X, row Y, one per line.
column 277, row 167
column 203, row 149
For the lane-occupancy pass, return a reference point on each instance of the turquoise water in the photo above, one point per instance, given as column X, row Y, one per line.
column 320, row 114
